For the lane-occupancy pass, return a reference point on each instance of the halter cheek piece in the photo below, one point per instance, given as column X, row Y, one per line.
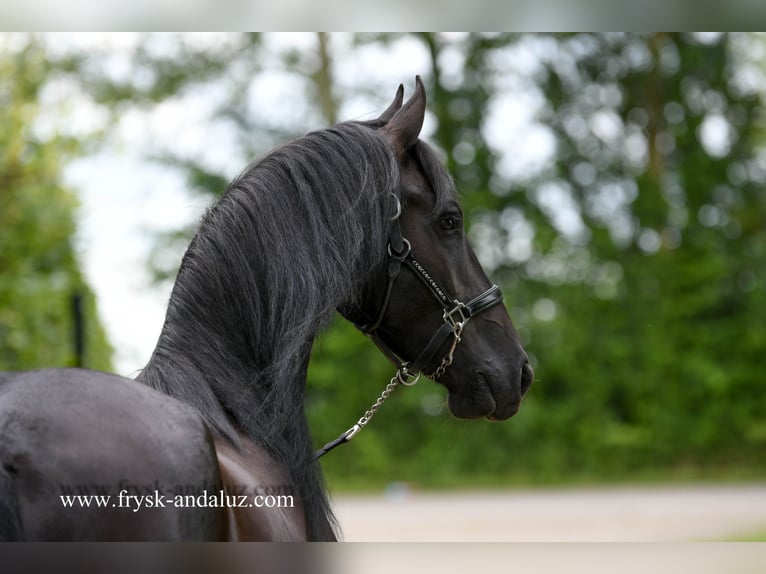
column 455, row 315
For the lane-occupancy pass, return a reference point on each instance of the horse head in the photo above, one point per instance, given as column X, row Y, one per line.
column 431, row 307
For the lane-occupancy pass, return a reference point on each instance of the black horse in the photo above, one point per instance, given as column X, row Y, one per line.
column 331, row 221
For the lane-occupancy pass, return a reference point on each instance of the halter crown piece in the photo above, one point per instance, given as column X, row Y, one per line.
column 455, row 315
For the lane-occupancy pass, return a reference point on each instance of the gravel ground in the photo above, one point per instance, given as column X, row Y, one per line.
column 585, row 531
column 656, row 514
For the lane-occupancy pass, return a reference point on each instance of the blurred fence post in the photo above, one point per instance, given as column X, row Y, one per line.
column 78, row 329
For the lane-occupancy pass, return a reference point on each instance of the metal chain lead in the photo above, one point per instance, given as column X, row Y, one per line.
column 362, row 422
column 401, row 377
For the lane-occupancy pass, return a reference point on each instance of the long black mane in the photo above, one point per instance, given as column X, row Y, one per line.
column 292, row 239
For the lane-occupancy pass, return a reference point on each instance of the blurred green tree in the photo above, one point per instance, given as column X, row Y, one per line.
column 39, row 271
column 643, row 282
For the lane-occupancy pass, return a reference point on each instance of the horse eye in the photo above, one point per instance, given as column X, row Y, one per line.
column 448, row 223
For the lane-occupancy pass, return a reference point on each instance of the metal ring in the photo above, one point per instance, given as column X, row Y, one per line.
column 398, row 207
column 406, row 378
column 403, row 254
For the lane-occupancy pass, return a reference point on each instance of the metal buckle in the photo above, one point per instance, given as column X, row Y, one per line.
column 449, row 316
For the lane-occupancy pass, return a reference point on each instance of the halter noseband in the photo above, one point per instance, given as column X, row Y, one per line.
column 455, row 315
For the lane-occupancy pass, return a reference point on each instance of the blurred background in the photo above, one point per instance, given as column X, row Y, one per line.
column 613, row 184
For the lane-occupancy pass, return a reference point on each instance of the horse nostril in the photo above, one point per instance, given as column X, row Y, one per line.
column 527, row 376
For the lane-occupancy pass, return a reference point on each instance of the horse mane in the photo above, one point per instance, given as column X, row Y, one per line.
column 294, row 237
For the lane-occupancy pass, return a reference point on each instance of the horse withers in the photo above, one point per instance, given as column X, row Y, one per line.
column 210, row 442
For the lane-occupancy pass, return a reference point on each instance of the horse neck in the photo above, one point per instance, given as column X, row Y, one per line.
column 291, row 240
column 216, row 353
column 241, row 394
column 265, row 273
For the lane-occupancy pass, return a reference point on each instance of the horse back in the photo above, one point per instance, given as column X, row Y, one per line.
column 75, row 444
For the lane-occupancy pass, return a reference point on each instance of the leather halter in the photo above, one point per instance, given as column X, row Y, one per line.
column 455, row 313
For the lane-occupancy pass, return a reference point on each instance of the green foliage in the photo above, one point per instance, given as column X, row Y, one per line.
column 39, row 272
column 666, row 372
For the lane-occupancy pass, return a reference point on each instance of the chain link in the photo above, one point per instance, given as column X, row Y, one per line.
column 447, row 360
column 362, row 422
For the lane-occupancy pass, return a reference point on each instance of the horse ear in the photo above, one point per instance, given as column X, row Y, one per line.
column 403, row 129
column 386, row 116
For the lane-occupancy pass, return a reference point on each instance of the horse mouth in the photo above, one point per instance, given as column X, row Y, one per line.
column 505, row 412
column 484, row 397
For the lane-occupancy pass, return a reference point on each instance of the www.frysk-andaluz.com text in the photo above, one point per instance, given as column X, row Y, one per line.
column 231, row 498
